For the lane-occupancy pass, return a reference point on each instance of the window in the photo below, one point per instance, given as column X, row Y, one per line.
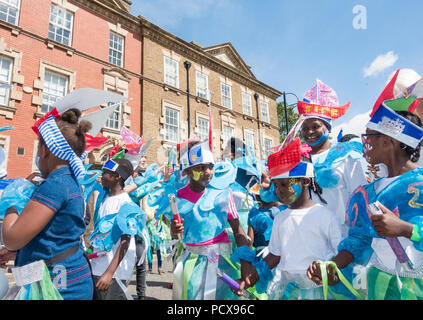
column 203, row 129
column 202, row 85
column 60, row 28
column 267, row 145
column 171, row 125
column 171, row 72
column 116, row 45
column 228, row 133
column 226, row 95
column 5, row 78
column 55, row 87
column 9, row 11
column 115, row 119
column 247, row 107
column 264, row 108
column 249, row 139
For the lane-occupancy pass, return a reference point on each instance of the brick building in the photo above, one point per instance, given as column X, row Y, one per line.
column 49, row 48
column 219, row 70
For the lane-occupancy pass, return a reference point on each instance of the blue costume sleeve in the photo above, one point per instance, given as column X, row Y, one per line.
column 269, row 195
column 17, row 194
column 358, row 244
column 265, row 275
column 261, row 222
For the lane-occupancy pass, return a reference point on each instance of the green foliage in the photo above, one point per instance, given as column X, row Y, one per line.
column 292, row 118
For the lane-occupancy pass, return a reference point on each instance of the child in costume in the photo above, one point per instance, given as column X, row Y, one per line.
column 247, row 175
column 339, row 167
column 391, row 241
column 260, row 222
column 206, row 207
column 118, row 262
column 45, row 233
column 302, row 232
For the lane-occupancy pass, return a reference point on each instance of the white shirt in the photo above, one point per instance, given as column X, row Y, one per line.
column 126, row 267
column 302, row 236
column 352, row 175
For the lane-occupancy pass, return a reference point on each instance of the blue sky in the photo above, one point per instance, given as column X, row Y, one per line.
column 290, row 43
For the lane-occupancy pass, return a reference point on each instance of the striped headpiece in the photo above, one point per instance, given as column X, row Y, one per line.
column 58, row 145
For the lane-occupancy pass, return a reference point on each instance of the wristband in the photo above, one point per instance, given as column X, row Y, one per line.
column 415, row 236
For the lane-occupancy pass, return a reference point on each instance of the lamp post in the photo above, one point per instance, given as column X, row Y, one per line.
column 187, row 65
column 286, row 111
column 256, row 96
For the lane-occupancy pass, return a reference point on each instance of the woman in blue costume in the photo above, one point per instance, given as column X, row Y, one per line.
column 393, row 138
column 338, row 166
column 49, row 227
column 206, row 207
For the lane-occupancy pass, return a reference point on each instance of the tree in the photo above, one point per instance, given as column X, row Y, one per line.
column 292, row 118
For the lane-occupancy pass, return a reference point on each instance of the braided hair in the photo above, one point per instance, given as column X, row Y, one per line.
column 314, row 186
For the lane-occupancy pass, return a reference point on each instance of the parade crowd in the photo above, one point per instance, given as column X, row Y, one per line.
column 318, row 219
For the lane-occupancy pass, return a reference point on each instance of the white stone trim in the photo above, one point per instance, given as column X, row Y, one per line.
column 39, row 83
column 117, row 28
column 5, row 144
column 65, row 4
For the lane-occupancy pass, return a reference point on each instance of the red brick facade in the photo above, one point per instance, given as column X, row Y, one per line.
column 84, row 62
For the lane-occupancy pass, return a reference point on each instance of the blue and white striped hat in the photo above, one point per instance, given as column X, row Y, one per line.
column 59, row 147
column 387, row 121
column 302, row 170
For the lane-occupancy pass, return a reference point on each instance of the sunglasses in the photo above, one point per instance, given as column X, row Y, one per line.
column 364, row 136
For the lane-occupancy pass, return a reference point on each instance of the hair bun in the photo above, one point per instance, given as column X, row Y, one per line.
column 85, row 126
column 71, row 116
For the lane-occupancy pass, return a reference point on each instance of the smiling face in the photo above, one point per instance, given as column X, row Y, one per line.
column 288, row 190
column 373, row 143
column 314, row 132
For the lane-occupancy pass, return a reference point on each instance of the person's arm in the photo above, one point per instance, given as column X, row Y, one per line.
column 19, row 230
column 6, row 256
column 342, row 259
column 105, row 280
column 250, row 234
column 130, row 188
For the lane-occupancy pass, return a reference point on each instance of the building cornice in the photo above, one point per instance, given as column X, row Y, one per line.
column 194, row 53
column 115, row 14
column 191, row 51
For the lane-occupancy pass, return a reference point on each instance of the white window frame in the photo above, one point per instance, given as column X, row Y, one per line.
column 226, row 138
column 251, row 134
column 5, row 92
column 53, row 95
column 203, row 131
column 265, row 116
column 9, row 6
column 226, row 99
column 112, row 49
column 166, row 72
column 201, row 91
column 168, row 125
column 247, row 103
column 265, row 139
column 58, row 26
column 114, row 121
